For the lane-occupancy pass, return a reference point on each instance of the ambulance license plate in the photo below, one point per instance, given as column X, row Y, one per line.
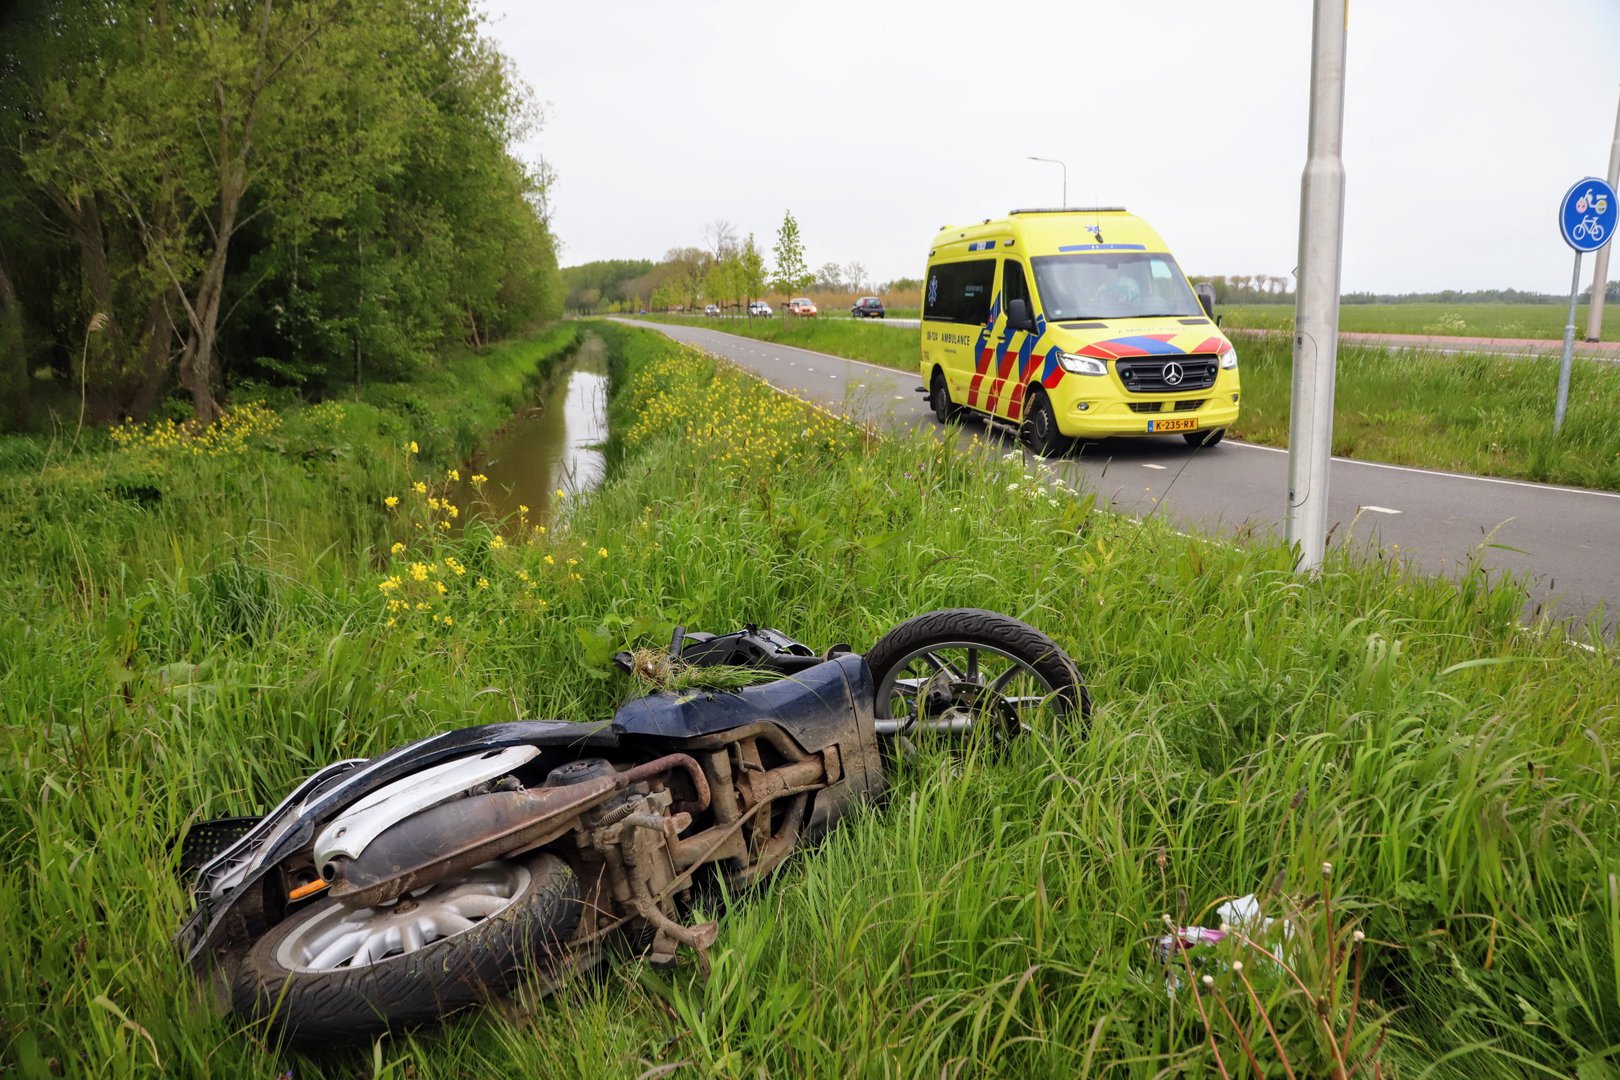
column 1190, row 424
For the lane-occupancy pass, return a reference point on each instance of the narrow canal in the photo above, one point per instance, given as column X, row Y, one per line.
column 552, row 446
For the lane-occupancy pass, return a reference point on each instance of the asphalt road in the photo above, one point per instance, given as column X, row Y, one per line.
column 1566, row 540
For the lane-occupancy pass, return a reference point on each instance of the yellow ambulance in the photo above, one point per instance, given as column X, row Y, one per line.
column 1073, row 323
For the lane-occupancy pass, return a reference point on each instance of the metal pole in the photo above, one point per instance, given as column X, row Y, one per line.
column 1600, row 271
column 1316, row 312
column 1569, row 349
column 1065, row 168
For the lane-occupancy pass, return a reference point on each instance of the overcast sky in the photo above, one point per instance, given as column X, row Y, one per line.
column 878, row 122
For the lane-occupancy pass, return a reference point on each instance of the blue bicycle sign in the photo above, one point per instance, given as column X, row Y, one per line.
column 1588, row 214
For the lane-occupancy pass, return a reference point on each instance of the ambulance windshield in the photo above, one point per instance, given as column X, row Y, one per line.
column 1112, row 285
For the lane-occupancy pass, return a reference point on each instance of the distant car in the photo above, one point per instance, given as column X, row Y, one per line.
column 867, row 307
column 802, row 306
column 759, row 307
column 711, row 309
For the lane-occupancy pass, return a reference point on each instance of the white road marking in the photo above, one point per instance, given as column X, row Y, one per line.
column 1380, row 509
column 1150, row 465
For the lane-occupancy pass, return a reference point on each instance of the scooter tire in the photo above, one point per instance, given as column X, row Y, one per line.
column 342, row 1005
column 1013, row 636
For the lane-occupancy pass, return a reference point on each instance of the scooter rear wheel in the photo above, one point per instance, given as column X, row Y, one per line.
column 327, row 974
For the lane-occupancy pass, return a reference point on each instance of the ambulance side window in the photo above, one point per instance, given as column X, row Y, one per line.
column 1013, row 286
column 959, row 292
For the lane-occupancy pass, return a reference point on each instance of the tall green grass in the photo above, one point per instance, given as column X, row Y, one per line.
column 998, row 916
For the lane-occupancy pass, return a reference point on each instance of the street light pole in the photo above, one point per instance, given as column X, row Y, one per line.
column 1600, row 276
column 1316, row 314
column 1065, row 168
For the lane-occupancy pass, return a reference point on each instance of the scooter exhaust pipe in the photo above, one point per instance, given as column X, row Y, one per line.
column 460, row 834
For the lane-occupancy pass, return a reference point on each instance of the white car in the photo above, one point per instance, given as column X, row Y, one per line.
column 759, row 307
column 711, row 310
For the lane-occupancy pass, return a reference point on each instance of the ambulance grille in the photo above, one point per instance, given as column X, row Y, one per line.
column 1144, row 406
column 1190, row 406
column 1147, row 374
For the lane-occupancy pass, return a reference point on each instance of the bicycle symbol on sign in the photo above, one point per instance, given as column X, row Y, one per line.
column 1588, row 228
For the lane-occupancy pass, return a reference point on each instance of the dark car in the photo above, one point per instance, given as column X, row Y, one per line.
column 867, row 307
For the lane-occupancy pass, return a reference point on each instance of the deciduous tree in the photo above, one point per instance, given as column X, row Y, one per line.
column 791, row 274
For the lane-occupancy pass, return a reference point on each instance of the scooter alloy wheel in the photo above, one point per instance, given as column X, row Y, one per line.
column 327, row 973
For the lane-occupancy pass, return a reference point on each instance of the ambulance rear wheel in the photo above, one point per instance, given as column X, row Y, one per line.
column 1040, row 430
column 939, row 396
column 1204, row 438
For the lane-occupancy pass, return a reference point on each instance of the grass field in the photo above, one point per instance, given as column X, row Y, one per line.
column 1544, row 321
column 1491, row 416
column 191, row 643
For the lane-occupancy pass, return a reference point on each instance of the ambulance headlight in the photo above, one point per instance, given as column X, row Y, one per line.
column 1229, row 359
column 1082, row 365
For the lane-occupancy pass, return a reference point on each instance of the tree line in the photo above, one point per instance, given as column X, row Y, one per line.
column 727, row 268
column 195, row 193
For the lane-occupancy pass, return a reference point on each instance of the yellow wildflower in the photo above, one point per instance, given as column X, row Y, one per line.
column 412, row 448
column 398, row 548
column 603, row 552
column 421, row 488
column 483, row 583
column 440, row 586
column 573, row 562
column 550, row 561
column 452, row 474
column 448, row 621
column 523, row 510
column 561, row 494
column 479, row 479
column 452, row 510
column 419, row 572
column 391, row 502
column 497, row 542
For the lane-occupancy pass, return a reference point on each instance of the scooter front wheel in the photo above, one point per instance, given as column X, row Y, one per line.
column 328, row 973
column 962, row 669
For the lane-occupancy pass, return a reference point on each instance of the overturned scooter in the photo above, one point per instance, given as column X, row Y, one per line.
column 397, row 889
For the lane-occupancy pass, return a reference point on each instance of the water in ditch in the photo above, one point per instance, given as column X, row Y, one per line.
column 553, row 445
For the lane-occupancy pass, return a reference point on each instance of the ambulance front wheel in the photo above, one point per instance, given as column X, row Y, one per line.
column 939, row 396
column 1040, row 431
column 1204, row 438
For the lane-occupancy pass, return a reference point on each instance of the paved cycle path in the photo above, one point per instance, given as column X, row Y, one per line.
column 1567, row 540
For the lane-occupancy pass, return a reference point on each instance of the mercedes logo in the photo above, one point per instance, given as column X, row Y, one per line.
column 1172, row 374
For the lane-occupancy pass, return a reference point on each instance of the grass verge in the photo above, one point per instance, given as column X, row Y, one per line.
column 1485, row 415
column 999, row 916
column 1535, row 321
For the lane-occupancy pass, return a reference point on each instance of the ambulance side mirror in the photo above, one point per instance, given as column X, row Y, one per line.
column 1206, row 296
column 1018, row 315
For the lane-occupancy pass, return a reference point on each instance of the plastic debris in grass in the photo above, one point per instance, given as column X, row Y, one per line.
column 1240, row 916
